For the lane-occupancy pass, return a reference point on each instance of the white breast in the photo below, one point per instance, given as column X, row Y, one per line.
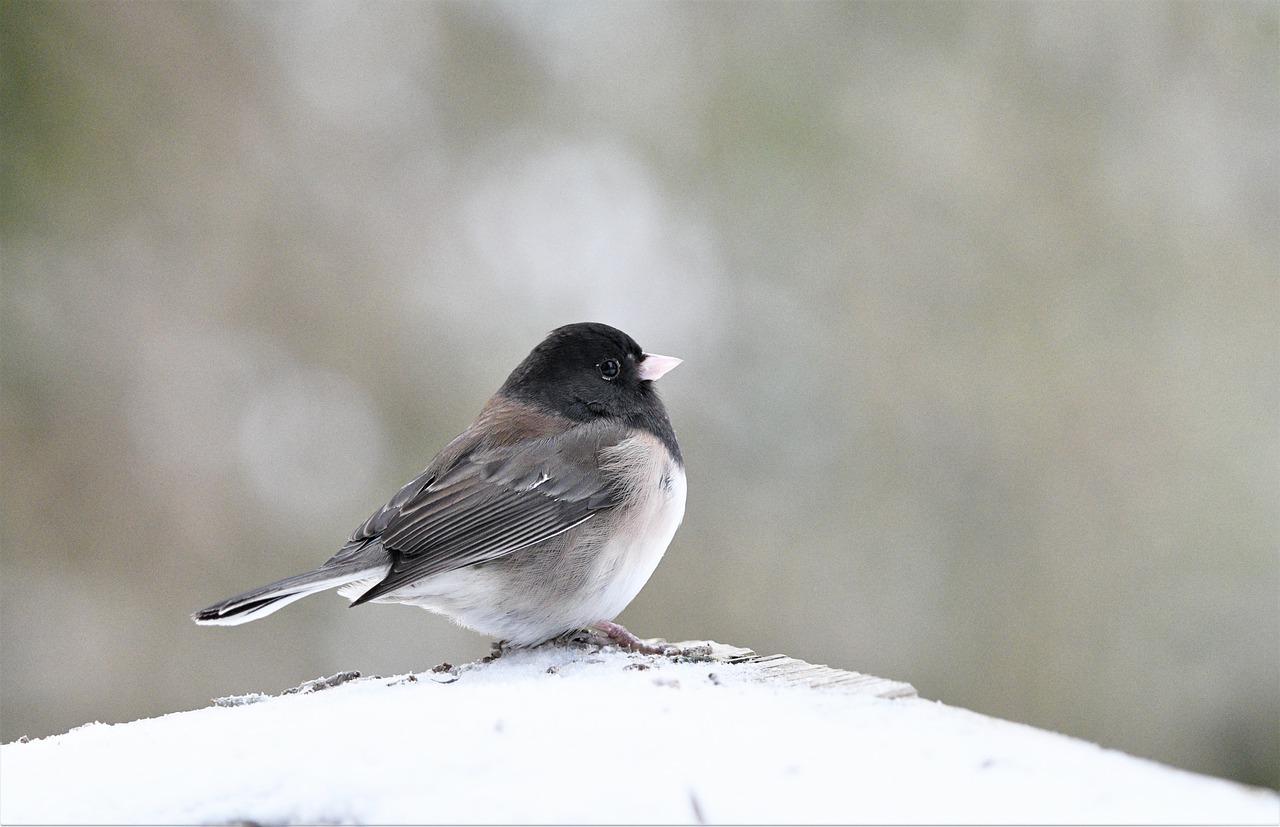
column 625, row 563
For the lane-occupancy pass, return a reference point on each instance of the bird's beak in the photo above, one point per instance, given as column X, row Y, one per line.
column 654, row 366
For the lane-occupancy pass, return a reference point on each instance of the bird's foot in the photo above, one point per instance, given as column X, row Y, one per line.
column 618, row 635
column 608, row 633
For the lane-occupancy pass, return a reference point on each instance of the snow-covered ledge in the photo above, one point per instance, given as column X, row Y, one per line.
column 581, row 735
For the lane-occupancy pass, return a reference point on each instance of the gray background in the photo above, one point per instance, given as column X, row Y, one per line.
column 978, row 302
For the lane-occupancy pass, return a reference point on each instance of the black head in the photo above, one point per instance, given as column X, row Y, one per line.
column 589, row 371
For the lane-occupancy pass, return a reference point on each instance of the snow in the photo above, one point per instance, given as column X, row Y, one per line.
column 572, row 735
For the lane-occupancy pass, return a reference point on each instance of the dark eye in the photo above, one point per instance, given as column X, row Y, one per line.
column 610, row 369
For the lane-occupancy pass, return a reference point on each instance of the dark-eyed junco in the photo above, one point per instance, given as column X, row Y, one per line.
column 546, row 515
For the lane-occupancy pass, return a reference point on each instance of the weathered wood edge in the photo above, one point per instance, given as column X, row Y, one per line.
column 789, row 671
column 771, row 669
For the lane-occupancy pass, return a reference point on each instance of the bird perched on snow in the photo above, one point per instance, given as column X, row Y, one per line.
column 545, row 516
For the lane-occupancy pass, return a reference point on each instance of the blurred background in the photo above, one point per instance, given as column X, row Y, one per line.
column 978, row 304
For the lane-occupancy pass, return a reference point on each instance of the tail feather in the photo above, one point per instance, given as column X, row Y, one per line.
column 262, row 601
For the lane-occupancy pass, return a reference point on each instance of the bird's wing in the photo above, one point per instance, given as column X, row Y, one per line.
column 491, row 502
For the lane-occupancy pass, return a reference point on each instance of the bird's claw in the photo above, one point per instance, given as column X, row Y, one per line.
column 618, row 635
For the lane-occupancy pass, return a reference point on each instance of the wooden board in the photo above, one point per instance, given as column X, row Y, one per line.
column 795, row 672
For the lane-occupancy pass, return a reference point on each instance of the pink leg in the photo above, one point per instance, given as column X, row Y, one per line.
column 619, row 635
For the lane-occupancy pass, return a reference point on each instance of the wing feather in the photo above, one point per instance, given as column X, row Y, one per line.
column 490, row 502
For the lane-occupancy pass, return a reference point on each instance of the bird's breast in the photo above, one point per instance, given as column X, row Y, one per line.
column 642, row 526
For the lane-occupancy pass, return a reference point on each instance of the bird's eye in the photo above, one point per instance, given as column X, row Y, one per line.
column 610, row 369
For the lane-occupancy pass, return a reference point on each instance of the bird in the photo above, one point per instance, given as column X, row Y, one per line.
column 545, row 517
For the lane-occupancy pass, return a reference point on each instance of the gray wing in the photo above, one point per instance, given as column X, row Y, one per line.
column 489, row 503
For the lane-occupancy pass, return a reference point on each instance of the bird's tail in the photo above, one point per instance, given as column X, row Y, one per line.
column 264, row 600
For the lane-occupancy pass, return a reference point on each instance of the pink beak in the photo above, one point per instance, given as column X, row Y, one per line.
column 653, row 366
